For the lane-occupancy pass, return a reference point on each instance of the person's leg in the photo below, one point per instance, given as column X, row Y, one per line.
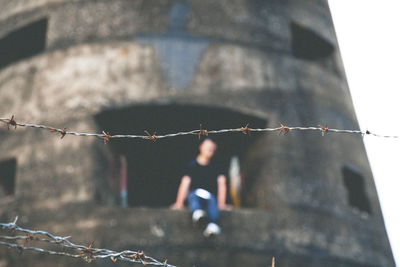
column 194, row 202
column 195, row 206
column 212, row 209
column 212, row 228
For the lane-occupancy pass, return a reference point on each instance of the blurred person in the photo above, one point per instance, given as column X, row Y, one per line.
column 204, row 187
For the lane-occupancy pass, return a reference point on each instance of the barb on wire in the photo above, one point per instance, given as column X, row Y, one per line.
column 106, row 137
column 201, row 132
column 11, row 122
column 324, row 129
column 284, row 129
column 63, row 132
column 67, row 248
column 152, row 137
column 245, row 130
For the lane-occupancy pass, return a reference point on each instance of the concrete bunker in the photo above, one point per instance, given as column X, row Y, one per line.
column 154, row 169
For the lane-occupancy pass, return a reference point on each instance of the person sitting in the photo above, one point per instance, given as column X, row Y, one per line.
column 203, row 179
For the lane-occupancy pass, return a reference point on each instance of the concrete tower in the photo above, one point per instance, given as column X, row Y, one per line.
column 126, row 66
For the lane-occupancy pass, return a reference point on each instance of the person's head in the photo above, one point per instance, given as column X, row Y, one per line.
column 207, row 147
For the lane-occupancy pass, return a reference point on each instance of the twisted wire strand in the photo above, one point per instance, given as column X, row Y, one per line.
column 87, row 253
column 107, row 137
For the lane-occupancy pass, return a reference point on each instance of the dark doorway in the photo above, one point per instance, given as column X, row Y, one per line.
column 155, row 168
column 23, row 42
column 357, row 196
column 7, row 176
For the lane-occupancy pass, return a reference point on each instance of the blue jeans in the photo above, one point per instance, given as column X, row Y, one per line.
column 196, row 202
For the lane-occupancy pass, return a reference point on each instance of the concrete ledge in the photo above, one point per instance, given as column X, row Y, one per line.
column 249, row 237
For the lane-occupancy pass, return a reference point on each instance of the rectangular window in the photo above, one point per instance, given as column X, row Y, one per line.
column 24, row 42
column 308, row 45
column 357, row 196
column 7, row 177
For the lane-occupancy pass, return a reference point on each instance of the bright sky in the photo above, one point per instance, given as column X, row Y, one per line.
column 369, row 38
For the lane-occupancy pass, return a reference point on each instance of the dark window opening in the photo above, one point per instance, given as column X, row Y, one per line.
column 7, row 177
column 306, row 44
column 154, row 169
column 23, row 43
column 357, row 196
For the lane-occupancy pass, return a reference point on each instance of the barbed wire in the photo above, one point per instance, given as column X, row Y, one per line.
column 87, row 253
column 282, row 129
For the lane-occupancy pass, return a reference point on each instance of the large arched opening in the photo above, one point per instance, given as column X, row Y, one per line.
column 154, row 169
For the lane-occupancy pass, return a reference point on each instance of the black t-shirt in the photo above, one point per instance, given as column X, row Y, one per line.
column 203, row 176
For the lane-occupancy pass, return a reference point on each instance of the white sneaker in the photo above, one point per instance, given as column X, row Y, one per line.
column 212, row 229
column 198, row 216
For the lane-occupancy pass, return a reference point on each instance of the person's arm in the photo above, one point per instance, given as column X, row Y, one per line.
column 183, row 190
column 222, row 189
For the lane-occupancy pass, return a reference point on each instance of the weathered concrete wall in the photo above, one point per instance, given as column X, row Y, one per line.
column 237, row 55
column 250, row 237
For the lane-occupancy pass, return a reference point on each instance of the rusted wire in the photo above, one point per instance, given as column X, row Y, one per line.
column 106, row 137
column 87, row 253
